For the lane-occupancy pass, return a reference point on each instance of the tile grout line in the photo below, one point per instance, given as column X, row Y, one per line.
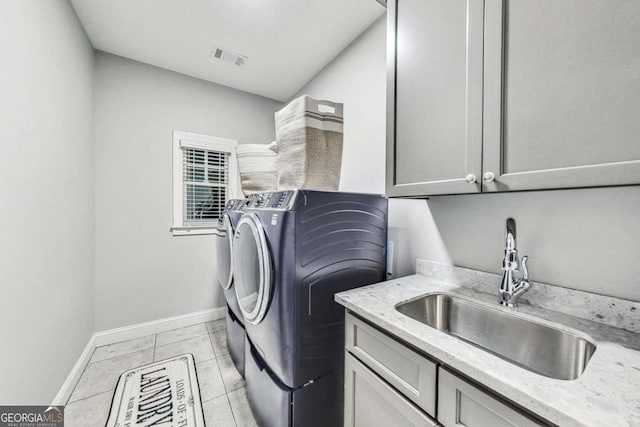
column 212, row 398
column 215, row 355
column 123, row 354
column 160, row 333
column 155, row 345
column 89, row 397
column 187, row 339
column 101, row 361
column 184, row 339
column 213, row 350
column 226, row 393
column 233, row 413
column 215, row 358
column 93, row 395
column 80, row 378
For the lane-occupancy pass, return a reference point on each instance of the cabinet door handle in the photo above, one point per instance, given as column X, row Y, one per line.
column 489, row 176
column 471, row 178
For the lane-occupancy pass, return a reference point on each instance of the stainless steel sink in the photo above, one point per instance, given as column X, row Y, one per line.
column 534, row 346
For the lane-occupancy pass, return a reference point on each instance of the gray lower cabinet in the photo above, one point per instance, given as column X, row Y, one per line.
column 461, row 404
column 408, row 371
column 371, row 402
column 388, row 383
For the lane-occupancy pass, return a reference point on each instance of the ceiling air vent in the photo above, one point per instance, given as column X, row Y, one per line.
column 227, row 55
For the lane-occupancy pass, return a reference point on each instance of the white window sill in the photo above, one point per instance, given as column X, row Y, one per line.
column 192, row 231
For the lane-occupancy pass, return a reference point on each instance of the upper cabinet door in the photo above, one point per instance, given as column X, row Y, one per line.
column 434, row 118
column 561, row 94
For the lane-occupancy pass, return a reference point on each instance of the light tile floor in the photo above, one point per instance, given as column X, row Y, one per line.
column 224, row 399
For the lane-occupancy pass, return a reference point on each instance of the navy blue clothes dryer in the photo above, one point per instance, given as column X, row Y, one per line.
column 292, row 252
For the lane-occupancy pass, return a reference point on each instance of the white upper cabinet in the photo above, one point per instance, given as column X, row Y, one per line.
column 547, row 96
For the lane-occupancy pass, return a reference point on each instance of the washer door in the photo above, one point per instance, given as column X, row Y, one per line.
column 252, row 268
column 224, row 239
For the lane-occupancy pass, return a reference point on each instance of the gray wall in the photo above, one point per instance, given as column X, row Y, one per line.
column 586, row 239
column 357, row 77
column 144, row 273
column 46, row 198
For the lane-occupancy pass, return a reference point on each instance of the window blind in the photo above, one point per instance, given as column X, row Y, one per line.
column 206, row 185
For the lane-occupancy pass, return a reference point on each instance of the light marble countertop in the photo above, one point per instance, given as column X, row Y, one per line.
column 607, row 393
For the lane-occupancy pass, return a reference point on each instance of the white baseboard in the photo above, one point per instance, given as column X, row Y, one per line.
column 156, row 326
column 74, row 376
column 124, row 333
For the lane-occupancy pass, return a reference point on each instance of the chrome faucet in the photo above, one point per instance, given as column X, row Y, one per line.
column 511, row 288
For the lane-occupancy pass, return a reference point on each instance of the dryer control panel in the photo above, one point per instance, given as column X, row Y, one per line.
column 281, row 200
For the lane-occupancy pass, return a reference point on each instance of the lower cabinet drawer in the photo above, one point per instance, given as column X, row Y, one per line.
column 409, row 372
column 371, row 402
column 460, row 403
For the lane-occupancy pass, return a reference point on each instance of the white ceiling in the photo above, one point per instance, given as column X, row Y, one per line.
column 287, row 41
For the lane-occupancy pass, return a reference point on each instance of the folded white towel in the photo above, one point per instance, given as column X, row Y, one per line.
column 257, row 164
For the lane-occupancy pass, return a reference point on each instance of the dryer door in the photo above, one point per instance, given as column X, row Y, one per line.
column 252, row 268
column 224, row 239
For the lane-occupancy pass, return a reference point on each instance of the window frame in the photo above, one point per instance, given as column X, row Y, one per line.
column 204, row 142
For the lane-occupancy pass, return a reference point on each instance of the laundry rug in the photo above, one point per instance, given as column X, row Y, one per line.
column 164, row 393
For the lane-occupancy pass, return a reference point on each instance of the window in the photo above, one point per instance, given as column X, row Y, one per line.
column 205, row 176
